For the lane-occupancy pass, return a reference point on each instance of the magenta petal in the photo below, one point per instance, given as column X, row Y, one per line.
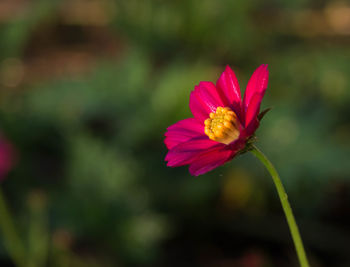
column 239, row 143
column 183, row 131
column 203, row 100
column 185, row 153
column 256, row 85
column 209, row 94
column 190, row 124
column 228, row 88
column 198, row 108
column 252, row 112
column 209, row 161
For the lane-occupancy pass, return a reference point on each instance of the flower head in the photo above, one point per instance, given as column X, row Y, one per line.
column 222, row 123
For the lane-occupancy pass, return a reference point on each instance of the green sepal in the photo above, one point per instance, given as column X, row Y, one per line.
column 263, row 113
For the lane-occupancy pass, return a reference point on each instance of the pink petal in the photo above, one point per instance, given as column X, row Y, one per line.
column 210, row 95
column 198, row 108
column 256, row 85
column 203, row 100
column 185, row 153
column 183, row 131
column 252, row 122
column 209, row 161
column 239, row 143
column 229, row 91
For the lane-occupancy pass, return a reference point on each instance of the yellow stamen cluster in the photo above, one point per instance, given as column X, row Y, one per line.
column 222, row 126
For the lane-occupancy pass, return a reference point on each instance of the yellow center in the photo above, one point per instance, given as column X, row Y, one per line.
column 222, row 126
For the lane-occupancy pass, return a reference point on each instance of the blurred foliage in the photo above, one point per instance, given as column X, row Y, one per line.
column 87, row 89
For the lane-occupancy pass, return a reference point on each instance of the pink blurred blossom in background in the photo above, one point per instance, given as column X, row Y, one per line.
column 7, row 157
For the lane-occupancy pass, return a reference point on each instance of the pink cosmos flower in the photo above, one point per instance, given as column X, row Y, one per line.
column 222, row 124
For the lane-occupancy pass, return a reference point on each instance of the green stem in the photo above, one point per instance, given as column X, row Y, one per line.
column 286, row 207
column 11, row 239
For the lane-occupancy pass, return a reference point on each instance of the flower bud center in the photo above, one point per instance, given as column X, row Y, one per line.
column 222, row 126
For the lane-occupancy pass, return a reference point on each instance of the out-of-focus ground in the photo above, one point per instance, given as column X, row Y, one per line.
column 87, row 89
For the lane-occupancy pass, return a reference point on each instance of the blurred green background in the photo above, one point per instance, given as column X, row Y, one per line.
column 88, row 88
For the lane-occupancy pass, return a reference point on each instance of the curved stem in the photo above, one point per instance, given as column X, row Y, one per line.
column 11, row 239
column 286, row 207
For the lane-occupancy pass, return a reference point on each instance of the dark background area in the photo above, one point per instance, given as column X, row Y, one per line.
column 88, row 88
